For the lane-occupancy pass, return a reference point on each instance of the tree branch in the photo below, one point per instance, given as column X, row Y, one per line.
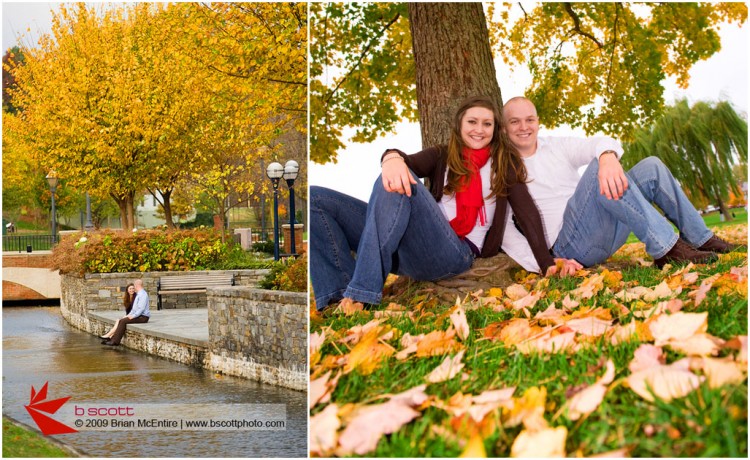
column 577, row 24
column 362, row 56
column 614, row 44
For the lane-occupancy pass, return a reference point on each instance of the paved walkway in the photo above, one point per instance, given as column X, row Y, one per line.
column 188, row 325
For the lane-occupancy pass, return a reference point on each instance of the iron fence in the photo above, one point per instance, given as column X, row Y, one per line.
column 28, row 243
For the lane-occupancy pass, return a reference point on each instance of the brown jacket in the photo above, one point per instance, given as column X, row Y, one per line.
column 432, row 162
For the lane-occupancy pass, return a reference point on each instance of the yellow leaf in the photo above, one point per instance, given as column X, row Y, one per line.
column 474, row 448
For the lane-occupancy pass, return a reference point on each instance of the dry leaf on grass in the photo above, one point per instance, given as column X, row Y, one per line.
column 458, row 319
column 701, row 344
column 321, row 389
column 550, row 341
column 587, row 400
column 720, row 372
column 738, row 343
column 667, row 382
column 527, row 301
column 591, row 326
column 671, row 306
column 677, row 327
column 355, row 333
column 699, row 294
column 449, row 368
column 349, row 307
column 316, row 341
column 516, row 291
column 547, row 442
column 369, row 423
column 367, row 355
column 528, row 409
column 408, row 345
column 474, row 448
column 438, row 343
column 589, row 287
column 323, row 428
column 646, row 356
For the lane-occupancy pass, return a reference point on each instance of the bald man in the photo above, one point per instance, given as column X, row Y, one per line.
column 588, row 218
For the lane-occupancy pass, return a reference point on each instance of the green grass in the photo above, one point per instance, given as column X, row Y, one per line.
column 706, row 423
column 712, row 220
column 22, row 443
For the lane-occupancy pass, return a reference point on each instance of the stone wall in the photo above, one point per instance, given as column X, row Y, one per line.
column 104, row 291
column 259, row 334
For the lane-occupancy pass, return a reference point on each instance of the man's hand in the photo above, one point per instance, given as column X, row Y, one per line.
column 396, row 175
column 612, row 179
column 565, row 267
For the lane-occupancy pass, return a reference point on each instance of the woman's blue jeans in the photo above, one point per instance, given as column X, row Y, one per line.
column 392, row 234
column 594, row 227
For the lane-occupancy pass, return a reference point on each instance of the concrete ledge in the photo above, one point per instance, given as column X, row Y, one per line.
column 188, row 326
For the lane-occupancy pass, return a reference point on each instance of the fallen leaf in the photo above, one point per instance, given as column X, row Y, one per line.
column 547, row 442
column 618, row 453
column 323, row 428
column 355, row 333
column 738, row 343
column 458, row 319
column 474, row 448
column 699, row 294
column 646, row 356
column 369, row 423
column 589, row 287
column 413, row 397
column 701, row 344
column 448, row 369
column 589, row 326
column 495, row 292
column 528, row 409
column 320, row 389
column 587, row 400
column 349, row 307
column 548, row 342
column 667, row 382
column 367, row 355
column 316, row 341
column 527, row 301
column 720, row 372
column 438, row 343
column 516, row 291
column 678, row 326
column 551, row 314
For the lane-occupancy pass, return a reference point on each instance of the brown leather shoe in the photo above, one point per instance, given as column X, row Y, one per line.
column 716, row 244
column 683, row 252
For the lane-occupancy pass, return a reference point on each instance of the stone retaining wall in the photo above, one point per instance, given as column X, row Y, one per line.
column 259, row 334
column 104, row 291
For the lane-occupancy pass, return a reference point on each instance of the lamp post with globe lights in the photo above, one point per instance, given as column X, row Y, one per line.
column 291, row 170
column 53, row 181
column 275, row 171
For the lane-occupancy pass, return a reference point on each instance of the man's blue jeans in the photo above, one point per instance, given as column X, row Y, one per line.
column 392, row 234
column 594, row 227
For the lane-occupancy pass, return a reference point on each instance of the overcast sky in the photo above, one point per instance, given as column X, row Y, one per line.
column 723, row 77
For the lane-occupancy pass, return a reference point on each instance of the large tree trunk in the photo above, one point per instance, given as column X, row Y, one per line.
column 453, row 61
column 166, row 205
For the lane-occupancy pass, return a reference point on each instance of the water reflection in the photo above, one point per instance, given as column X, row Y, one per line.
column 39, row 346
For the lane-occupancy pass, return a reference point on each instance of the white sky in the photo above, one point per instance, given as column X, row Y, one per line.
column 723, row 77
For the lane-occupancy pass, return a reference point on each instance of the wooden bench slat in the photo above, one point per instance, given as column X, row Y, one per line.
column 190, row 284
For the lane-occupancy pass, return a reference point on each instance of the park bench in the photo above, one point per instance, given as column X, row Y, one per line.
column 190, row 284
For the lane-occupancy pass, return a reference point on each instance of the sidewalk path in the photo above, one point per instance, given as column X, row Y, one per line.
column 188, row 325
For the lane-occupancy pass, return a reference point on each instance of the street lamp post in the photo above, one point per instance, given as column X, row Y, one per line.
column 291, row 170
column 89, row 226
column 274, row 171
column 53, row 181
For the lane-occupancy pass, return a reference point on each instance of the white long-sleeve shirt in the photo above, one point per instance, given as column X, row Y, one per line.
column 552, row 179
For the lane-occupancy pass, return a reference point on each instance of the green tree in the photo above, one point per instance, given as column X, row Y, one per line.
column 363, row 71
column 701, row 144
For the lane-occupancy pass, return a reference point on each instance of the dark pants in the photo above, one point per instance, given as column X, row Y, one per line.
column 120, row 331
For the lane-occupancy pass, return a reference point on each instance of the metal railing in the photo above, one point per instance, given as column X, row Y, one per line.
column 28, row 243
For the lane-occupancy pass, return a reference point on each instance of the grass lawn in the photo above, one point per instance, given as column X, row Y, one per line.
column 356, row 367
column 22, row 443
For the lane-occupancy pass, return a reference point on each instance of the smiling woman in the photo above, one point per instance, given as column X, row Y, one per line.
column 426, row 234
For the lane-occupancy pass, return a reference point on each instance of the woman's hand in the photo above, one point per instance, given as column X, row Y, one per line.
column 396, row 175
column 565, row 267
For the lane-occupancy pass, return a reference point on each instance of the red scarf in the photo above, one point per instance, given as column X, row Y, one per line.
column 469, row 199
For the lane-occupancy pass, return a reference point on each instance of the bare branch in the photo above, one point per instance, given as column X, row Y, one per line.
column 577, row 24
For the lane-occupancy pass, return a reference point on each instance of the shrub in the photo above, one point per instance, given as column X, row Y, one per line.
column 147, row 250
column 287, row 275
column 263, row 246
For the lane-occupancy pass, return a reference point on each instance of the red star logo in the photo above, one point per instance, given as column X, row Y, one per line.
column 37, row 405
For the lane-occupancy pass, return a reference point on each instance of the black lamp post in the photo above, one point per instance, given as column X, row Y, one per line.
column 291, row 170
column 52, row 180
column 274, row 171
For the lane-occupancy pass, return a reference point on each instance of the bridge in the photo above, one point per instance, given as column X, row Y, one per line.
column 27, row 276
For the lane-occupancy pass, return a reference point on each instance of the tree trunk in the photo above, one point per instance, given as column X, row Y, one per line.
column 453, row 61
column 724, row 209
column 122, row 203
column 167, row 206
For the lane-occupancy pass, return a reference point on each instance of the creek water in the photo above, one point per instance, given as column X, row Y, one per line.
column 39, row 346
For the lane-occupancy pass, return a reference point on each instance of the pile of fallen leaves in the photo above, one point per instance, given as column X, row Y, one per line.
column 657, row 332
